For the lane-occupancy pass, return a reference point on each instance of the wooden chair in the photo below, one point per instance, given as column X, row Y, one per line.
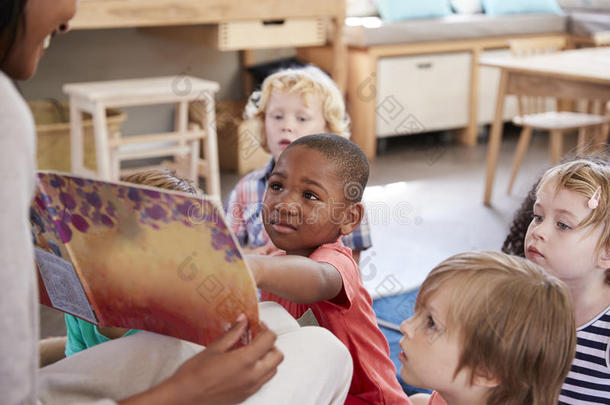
column 593, row 139
column 540, row 113
column 601, row 38
column 184, row 144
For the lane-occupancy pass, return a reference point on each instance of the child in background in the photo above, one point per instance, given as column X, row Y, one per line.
column 490, row 329
column 313, row 199
column 81, row 334
column 569, row 236
column 291, row 103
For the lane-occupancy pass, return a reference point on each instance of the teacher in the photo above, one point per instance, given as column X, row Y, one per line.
column 300, row 365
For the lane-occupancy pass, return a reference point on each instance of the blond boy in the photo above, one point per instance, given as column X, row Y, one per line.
column 489, row 329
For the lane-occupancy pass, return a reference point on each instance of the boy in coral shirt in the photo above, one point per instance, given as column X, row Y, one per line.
column 312, row 200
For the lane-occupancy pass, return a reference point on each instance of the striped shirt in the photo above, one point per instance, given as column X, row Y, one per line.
column 589, row 379
column 245, row 206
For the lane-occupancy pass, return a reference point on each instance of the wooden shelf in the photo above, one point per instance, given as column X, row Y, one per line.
column 96, row 14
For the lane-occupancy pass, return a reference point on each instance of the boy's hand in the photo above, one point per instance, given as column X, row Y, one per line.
column 266, row 249
column 220, row 374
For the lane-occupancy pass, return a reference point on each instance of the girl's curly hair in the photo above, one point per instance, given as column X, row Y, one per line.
column 514, row 244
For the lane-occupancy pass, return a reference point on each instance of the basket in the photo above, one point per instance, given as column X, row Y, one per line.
column 53, row 132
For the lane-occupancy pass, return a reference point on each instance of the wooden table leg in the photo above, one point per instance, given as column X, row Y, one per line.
column 582, row 141
column 495, row 139
column 522, row 144
column 603, row 136
column 469, row 137
column 556, row 146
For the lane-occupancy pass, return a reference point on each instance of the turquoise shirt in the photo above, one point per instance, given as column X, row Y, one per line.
column 83, row 335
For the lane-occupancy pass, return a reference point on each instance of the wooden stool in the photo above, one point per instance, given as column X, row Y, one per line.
column 183, row 144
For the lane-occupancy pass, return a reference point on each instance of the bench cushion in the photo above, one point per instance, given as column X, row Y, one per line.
column 587, row 22
column 369, row 31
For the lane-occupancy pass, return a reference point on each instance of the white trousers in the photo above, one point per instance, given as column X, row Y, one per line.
column 317, row 368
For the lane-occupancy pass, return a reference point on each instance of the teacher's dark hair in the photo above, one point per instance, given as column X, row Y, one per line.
column 12, row 20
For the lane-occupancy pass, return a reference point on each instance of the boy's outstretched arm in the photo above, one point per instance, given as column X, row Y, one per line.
column 296, row 278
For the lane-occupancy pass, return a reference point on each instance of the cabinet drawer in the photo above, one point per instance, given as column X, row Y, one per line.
column 422, row 93
column 290, row 32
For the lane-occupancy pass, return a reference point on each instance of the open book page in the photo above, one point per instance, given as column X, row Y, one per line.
column 151, row 259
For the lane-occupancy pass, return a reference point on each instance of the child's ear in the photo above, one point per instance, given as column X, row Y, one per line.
column 353, row 216
column 604, row 259
column 484, row 378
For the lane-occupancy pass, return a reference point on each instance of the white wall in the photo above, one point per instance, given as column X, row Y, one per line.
column 133, row 53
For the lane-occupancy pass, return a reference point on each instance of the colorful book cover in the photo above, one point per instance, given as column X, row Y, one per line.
column 132, row 256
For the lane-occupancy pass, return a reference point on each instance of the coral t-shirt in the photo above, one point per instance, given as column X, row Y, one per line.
column 350, row 318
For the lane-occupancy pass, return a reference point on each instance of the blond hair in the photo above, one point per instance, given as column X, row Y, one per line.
column 515, row 324
column 585, row 176
column 304, row 81
column 163, row 178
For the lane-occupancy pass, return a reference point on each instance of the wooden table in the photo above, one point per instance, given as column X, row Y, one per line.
column 96, row 14
column 575, row 74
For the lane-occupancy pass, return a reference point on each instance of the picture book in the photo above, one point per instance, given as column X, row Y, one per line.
column 132, row 256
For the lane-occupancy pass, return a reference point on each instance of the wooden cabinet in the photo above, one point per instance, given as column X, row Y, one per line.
column 423, row 86
column 422, row 93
